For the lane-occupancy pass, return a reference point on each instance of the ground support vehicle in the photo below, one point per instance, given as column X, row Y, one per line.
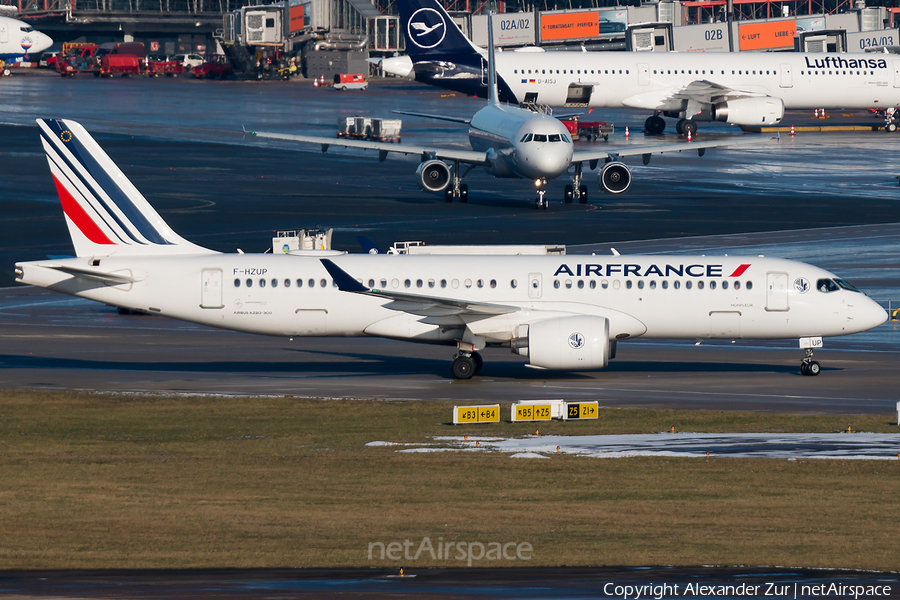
column 356, row 81
column 169, row 68
column 78, row 58
column 120, row 64
column 215, row 66
column 591, row 131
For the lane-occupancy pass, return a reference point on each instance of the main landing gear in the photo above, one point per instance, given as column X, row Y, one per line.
column 457, row 189
column 686, row 126
column 890, row 123
column 809, row 366
column 577, row 190
column 466, row 364
column 654, row 125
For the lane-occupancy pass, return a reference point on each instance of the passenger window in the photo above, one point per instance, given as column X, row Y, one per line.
column 262, row 283
column 555, row 284
column 371, row 283
column 688, row 284
column 665, row 284
column 312, row 283
column 737, row 285
column 493, row 283
column 287, row 283
column 640, row 284
column 628, row 284
column 724, row 285
column 383, row 283
column 274, row 283
column 431, row 283
column 580, row 284
column 676, row 284
column 712, row 285
column 513, row 284
column 699, row 285
column 616, row 284
column 468, row 283
column 249, row 283
column 653, row 284
column 443, row 283
column 454, row 284
column 568, row 284
column 604, row 284
column 419, row 283
column 299, row 283
column 237, row 283
column 407, row 283
column 480, row 283
column 395, row 283
column 323, row 282
column 749, row 285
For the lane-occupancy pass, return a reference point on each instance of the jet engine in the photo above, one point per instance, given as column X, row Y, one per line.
column 568, row 343
column 757, row 110
column 434, row 176
column 615, row 178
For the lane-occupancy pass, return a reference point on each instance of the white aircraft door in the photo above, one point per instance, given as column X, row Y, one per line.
column 534, row 285
column 211, row 290
column 3, row 35
column 725, row 325
column 897, row 73
column 786, row 78
column 643, row 74
column 776, row 291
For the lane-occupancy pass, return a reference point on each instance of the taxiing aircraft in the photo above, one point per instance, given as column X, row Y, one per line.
column 512, row 142
column 741, row 88
column 561, row 312
column 18, row 39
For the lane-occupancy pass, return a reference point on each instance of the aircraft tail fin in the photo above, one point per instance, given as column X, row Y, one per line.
column 432, row 35
column 105, row 213
column 492, row 64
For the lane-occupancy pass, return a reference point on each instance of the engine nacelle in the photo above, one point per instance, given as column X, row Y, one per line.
column 568, row 343
column 434, row 176
column 758, row 110
column 615, row 178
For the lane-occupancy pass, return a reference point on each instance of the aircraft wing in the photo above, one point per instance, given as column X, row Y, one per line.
column 438, row 117
column 414, row 303
column 615, row 153
column 701, row 91
column 464, row 156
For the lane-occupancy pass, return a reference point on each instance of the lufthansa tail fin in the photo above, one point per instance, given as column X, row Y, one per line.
column 105, row 213
column 492, row 64
column 432, row 35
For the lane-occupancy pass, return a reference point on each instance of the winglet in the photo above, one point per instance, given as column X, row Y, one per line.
column 492, row 67
column 344, row 281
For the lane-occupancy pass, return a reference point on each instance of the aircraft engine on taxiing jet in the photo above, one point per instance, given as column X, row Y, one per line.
column 577, row 342
column 615, row 177
column 434, row 176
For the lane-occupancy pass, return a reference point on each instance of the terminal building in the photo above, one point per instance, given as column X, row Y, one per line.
column 329, row 37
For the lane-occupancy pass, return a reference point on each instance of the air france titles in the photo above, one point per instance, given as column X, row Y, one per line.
column 635, row 270
column 836, row 62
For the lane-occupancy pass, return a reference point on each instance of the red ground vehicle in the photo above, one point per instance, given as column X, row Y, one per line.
column 120, row 64
column 77, row 58
column 216, row 65
column 169, row 68
column 590, row 130
column 354, row 81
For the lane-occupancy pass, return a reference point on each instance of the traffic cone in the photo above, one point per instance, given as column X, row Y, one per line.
column 822, row 113
column 322, row 80
column 626, row 132
column 315, row 83
column 689, row 135
column 816, row 114
column 792, row 131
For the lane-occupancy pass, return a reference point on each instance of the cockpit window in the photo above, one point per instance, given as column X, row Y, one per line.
column 540, row 137
column 826, row 285
column 555, row 137
column 846, row 285
column 27, row 29
column 566, row 139
column 526, row 137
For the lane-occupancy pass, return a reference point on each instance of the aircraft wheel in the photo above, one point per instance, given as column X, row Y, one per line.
column 679, row 125
column 890, row 127
column 655, row 125
column 813, row 368
column 479, row 362
column 689, row 127
column 448, row 195
column 569, row 194
column 463, row 367
column 583, row 194
column 464, row 193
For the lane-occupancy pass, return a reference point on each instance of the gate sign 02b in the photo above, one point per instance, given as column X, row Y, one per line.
column 582, row 410
column 476, row 414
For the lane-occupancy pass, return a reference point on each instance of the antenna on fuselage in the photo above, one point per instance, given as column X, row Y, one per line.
column 492, row 69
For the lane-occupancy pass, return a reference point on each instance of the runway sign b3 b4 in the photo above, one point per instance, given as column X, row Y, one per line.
column 476, row 414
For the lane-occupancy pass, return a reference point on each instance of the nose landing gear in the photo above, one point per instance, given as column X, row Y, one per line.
column 541, row 200
column 809, row 366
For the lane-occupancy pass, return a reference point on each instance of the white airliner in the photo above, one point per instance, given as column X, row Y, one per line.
column 741, row 88
column 18, row 39
column 512, row 142
column 561, row 312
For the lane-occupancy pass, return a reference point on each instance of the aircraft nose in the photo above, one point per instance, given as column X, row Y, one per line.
column 866, row 315
column 42, row 42
column 545, row 161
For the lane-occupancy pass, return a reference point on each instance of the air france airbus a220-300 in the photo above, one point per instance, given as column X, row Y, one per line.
column 561, row 312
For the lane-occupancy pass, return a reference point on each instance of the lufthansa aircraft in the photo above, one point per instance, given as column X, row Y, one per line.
column 560, row 312
column 18, row 39
column 511, row 142
column 741, row 88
